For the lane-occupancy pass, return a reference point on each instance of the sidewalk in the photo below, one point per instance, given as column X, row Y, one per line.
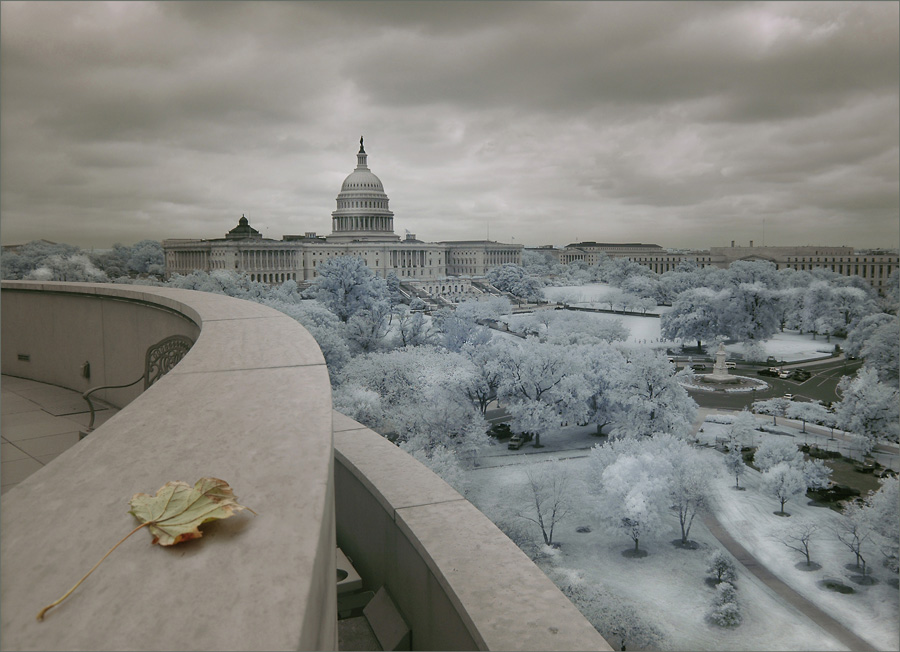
column 788, row 594
column 754, row 566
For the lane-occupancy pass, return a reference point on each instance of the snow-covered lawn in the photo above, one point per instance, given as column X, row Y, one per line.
column 641, row 329
column 870, row 612
column 580, row 294
column 788, row 346
column 668, row 587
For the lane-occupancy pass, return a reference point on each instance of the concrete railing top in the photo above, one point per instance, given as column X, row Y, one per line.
column 250, row 404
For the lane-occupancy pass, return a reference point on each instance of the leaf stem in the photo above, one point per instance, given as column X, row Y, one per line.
column 40, row 615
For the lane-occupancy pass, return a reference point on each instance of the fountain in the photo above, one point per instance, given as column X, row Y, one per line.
column 722, row 380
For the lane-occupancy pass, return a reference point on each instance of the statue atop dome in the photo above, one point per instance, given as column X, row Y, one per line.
column 362, row 150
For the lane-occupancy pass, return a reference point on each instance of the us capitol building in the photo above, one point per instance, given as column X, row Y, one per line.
column 362, row 225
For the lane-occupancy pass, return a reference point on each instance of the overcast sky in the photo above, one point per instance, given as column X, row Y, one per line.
column 685, row 125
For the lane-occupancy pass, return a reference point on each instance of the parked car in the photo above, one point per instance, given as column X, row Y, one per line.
column 768, row 372
column 730, row 365
column 500, row 431
column 698, row 367
column 800, row 375
column 789, row 397
column 783, row 374
column 516, row 442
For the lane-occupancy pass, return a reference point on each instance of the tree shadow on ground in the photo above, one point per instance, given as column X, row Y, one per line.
column 835, row 585
column 811, row 566
column 687, row 545
column 631, row 553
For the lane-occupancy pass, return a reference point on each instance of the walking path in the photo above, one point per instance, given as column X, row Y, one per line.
column 753, row 565
column 788, row 594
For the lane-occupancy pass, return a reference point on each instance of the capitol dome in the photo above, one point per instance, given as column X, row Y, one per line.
column 362, row 206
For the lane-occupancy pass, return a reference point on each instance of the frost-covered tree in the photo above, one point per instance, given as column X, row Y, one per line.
column 750, row 313
column 395, row 294
column 539, row 263
column 721, row 567
column 885, row 510
column 804, row 411
column 725, row 610
column 360, row 404
column 487, row 372
column 413, row 329
column 696, row 315
column 548, row 497
column 797, row 535
column 868, row 407
column 572, row 328
column 642, row 286
column 752, row 272
column 221, row 281
column 632, row 487
column 855, row 530
column 616, row 271
column 891, row 299
column 512, row 278
column 423, row 397
column 854, row 303
column 19, row 264
column 882, row 353
column 542, row 386
column 602, row 368
column 74, row 267
column 774, row 451
column 346, row 286
column 864, row 329
column 686, row 276
column 457, row 328
column 689, row 484
column 816, row 474
column 367, row 328
column 775, row 407
column 620, row 622
column 784, row 481
column 788, row 303
column 651, row 399
column 819, row 312
column 147, row 257
column 734, row 462
column 631, row 479
column 681, row 481
column 741, row 431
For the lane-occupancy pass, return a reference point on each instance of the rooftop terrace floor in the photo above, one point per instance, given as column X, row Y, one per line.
column 38, row 422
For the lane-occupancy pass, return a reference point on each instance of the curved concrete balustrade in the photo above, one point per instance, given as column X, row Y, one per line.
column 250, row 404
column 458, row 581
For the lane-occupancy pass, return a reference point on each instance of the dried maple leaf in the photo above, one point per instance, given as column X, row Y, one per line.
column 177, row 510
column 174, row 515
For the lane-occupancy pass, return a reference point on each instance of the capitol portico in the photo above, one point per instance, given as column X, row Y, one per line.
column 362, row 225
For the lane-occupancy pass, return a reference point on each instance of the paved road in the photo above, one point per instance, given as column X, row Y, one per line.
column 821, row 386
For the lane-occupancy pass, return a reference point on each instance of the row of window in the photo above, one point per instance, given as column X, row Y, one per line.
column 361, row 204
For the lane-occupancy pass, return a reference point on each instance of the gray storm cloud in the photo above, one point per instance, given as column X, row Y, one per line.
column 685, row 124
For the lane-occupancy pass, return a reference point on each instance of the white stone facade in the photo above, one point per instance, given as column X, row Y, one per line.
column 362, row 225
column 874, row 267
